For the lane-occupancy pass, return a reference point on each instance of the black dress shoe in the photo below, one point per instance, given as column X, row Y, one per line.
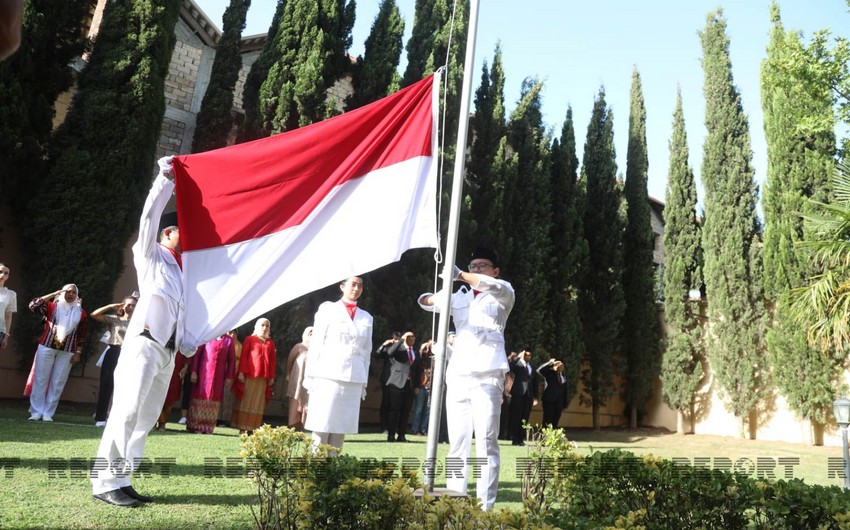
column 133, row 494
column 116, row 498
column 401, row 439
column 390, row 438
column 518, row 444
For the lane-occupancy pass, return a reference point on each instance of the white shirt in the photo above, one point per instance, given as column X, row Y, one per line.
column 8, row 304
column 479, row 345
column 341, row 347
column 161, row 303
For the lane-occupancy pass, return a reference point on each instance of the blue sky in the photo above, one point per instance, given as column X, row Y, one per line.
column 576, row 47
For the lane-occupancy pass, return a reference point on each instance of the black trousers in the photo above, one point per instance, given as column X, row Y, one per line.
column 552, row 412
column 107, row 382
column 401, row 400
column 186, row 396
column 520, row 410
column 385, row 407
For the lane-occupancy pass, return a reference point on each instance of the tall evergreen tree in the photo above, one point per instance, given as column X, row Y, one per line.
column 420, row 45
column 730, row 234
column 30, row 82
column 682, row 364
column 375, row 75
column 799, row 163
column 641, row 329
column 102, row 156
column 214, row 121
column 252, row 127
column 569, row 255
column 489, row 128
column 439, row 39
column 601, row 302
column 527, row 260
column 313, row 41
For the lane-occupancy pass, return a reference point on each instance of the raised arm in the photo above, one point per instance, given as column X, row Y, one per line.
column 158, row 196
column 98, row 314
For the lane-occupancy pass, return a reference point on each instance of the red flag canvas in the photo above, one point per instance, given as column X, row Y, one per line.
column 267, row 221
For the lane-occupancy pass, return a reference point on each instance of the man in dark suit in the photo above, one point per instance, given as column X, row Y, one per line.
column 385, row 375
column 554, row 397
column 403, row 365
column 523, row 394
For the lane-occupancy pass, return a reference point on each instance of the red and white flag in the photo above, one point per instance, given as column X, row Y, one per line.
column 264, row 222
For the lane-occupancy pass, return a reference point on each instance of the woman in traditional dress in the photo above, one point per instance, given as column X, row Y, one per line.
column 117, row 323
column 213, row 367
column 228, row 400
column 254, row 378
column 59, row 347
column 295, row 390
column 338, row 367
column 8, row 306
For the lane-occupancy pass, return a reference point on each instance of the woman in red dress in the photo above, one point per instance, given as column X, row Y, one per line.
column 254, row 378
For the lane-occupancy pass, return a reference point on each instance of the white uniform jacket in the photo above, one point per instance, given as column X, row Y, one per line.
column 479, row 346
column 341, row 347
column 161, row 304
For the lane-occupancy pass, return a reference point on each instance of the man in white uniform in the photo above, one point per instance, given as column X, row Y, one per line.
column 147, row 356
column 476, row 373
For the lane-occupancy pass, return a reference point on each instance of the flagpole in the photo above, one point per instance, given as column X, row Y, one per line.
column 439, row 360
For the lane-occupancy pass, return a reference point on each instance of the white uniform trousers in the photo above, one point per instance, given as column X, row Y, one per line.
column 141, row 383
column 51, row 373
column 473, row 404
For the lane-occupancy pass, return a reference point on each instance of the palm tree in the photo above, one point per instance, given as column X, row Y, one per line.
column 824, row 304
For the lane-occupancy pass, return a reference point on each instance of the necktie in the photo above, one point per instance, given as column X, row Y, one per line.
column 409, row 355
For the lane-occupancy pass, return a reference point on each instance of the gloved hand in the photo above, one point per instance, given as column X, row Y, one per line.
column 165, row 166
column 455, row 272
column 363, row 394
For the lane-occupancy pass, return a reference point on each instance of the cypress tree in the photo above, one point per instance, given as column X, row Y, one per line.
column 601, row 302
column 730, row 239
column 421, row 42
column 489, row 128
column 313, row 40
column 252, row 127
column 102, row 157
column 439, row 38
column 682, row 363
column 799, row 162
column 569, row 255
column 641, row 329
column 214, row 121
column 375, row 75
column 30, row 82
column 528, row 259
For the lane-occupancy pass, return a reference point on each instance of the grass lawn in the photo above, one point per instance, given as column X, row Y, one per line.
column 199, row 481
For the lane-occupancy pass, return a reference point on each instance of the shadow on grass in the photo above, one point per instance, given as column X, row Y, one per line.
column 212, row 500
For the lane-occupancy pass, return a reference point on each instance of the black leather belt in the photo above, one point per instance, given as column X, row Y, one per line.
column 147, row 334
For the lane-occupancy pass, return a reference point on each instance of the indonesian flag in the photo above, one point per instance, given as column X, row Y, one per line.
column 264, row 222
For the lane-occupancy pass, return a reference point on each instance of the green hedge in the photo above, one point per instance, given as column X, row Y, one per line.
column 300, row 489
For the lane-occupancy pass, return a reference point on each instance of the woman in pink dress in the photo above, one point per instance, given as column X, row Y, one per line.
column 212, row 372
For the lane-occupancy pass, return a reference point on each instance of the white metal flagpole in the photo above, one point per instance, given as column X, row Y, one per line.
column 439, row 359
